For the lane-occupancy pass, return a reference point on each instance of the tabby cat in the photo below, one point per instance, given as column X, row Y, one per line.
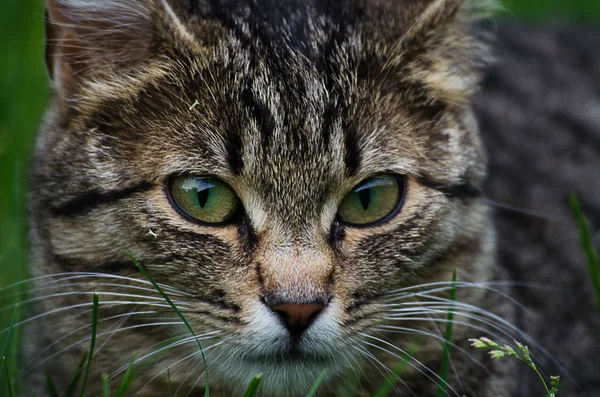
column 301, row 177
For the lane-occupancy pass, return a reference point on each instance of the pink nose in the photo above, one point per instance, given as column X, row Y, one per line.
column 297, row 316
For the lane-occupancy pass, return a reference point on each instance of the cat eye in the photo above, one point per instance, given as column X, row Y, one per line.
column 204, row 199
column 372, row 201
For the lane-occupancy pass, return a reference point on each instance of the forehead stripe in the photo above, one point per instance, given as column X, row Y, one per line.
column 234, row 149
column 261, row 114
column 352, row 156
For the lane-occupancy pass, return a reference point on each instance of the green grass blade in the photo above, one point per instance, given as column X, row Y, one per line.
column 586, row 243
column 10, row 328
column 9, row 386
column 313, row 390
column 443, row 383
column 92, row 344
column 399, row 367
column 181, row 316
column 253, row 386
column 349, row 385
column 105, row 386
column 126, row 378
column 72, row 387
column 52, row 392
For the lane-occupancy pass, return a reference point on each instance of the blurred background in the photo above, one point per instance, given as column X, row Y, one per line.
column 24, row 93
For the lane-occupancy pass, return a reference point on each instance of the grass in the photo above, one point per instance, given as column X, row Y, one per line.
column 10, row 331
column 71, row 389
column 563, row 10
column 92, row 343
column 443, row 384
column 586, row 243
column 390, row 381
column 521, row 353
column 253, row 386
column 181, row 316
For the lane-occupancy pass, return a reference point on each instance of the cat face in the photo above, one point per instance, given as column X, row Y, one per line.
column 282, row 168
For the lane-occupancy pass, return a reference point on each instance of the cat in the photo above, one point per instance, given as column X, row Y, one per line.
column 302, row 178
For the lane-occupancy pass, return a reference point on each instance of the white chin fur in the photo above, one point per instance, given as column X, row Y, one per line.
column 262, row 349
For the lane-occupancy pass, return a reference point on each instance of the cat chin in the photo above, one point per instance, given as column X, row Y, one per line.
column 288, row 366
column 292, row 377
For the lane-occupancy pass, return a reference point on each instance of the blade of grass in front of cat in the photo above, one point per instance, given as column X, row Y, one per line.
column 313, row 390
column 391, row 379
column 586, row 242
column 348, row 385
column 92, row 344
column 10, row 328
column 174, row 307
column 443, row 384
column 253, row 386
column 9, row 386
column 105, row 386
column 72, row 387
column 52, row 392
column 126, row 378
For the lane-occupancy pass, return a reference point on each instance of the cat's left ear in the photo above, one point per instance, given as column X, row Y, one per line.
column 95, row 39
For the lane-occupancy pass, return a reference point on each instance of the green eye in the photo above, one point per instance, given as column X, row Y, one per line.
column 207, row 200
column 373, row 200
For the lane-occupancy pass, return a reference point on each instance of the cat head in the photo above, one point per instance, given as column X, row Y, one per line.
column 285, row 165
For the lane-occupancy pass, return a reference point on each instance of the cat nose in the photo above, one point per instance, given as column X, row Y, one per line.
column 298, row 316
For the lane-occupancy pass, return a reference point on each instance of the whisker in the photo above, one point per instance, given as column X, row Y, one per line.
column 414, row 331
column 91, row 293
column 426, row 368
column 375, row 360
column 88, row 304
column 35, row 291
column 112, row 332
column 120, row 324
column 126, row 315
column 207, row 335
column 80, row 275
column 199, row 376
column 498, row 323
column 456, row 322
column 441, row 286
column 186, row 358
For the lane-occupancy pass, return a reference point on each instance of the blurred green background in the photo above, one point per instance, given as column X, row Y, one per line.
column 24, row 93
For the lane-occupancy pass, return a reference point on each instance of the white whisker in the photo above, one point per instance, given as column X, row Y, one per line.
column 426, row 368
column 207, row 335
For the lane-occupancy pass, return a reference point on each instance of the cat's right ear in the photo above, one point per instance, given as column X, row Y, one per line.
column 90, row 40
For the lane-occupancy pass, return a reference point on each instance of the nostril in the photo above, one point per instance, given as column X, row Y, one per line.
column 297, row 316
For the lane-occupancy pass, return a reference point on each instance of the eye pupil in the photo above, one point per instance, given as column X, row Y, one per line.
column 203, row 197
column 365, row 198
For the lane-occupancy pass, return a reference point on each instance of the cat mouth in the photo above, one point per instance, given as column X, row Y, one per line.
column 292, row 352
column 294, row 357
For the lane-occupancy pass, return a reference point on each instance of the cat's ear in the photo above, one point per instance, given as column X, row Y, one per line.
column 434, row 17
column 440, row 49
column 86, row 39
